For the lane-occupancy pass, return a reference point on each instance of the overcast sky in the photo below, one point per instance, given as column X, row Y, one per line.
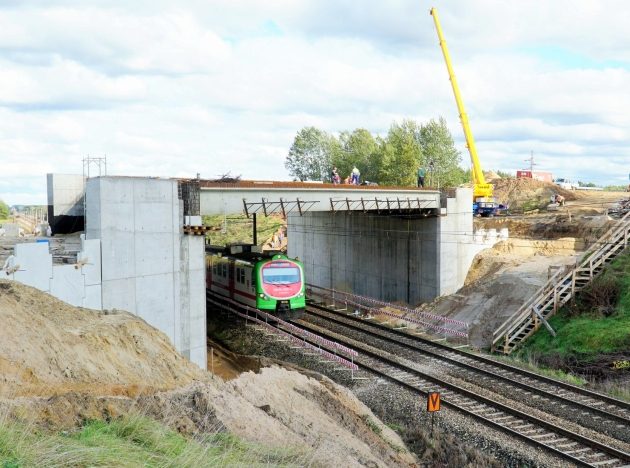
column 175, row 88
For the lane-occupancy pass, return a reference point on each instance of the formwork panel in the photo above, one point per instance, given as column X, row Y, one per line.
column 93, row 209
column 91, row 255
column 35, row 265
column 153, row 190
column 155, row 304
column 153, row 217
column 117, row 217
column 92, row 298
column 119, row 294
column 153, row 253
column 67, row 284
column 115, row 190
column 118, row 255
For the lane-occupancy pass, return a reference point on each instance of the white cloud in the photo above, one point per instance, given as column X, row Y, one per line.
column 222, row 86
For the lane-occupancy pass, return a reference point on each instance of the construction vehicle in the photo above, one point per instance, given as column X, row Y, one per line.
column 484, row 203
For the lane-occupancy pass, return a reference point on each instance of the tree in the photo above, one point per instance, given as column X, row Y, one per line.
column 4, row 210
column 359, row 149
column 401, row 154
column 439, row 152
column 311, row 154
column 393, row 160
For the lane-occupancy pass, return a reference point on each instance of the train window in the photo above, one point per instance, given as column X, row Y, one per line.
column 240, row 275
column 214, row 268
column 281, row 275
column 224, row 273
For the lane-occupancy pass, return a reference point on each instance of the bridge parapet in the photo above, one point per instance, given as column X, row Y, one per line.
column 264, row 197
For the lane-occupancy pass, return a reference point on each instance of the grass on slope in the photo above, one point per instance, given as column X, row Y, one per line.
column 589, row 332
column 238, row 228
column 129, row 442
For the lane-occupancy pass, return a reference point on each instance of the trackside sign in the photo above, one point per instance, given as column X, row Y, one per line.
column 433, row 402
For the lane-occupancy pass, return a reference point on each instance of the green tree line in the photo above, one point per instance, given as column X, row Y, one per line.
column 390, row 160
column 4, row 210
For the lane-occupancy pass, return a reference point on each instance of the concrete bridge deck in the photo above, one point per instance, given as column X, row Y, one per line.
column 267, row 197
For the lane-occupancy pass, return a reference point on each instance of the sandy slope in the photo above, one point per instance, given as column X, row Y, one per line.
column 61, row 365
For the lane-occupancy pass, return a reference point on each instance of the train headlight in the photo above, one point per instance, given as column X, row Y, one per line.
column 261, row 295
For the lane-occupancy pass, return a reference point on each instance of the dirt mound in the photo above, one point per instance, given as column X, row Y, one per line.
column 491, row 176
column 62, row 365
column 527, row 193
column 49, row 347
column 275, row 408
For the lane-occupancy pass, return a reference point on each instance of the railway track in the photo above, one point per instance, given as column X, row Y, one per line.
column 581, row 450
column 593, row 404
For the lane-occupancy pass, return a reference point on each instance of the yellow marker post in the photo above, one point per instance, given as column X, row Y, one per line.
column 433, row 406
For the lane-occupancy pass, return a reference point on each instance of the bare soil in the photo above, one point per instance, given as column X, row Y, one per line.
column 61, row 365
column 502, row 278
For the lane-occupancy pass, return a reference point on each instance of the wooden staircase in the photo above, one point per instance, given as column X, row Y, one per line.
column 560, row 288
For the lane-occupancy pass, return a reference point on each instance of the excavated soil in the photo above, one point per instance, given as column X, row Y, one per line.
column 505, row 276
column 52, row 347
column 61, row 365
column 518, row 192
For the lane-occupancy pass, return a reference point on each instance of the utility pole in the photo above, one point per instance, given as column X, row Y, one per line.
column 531, row 162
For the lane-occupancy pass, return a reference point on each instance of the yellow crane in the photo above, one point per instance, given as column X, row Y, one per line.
column 482, row 191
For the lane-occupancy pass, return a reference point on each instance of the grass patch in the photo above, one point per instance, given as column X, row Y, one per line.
column 129, row 442
column 592, row 326
column 533, row 365
column 369, row 422
column 592, row 334
column 531, row 204
column 238, row 228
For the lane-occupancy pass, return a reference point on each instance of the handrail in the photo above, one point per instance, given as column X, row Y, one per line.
column 591, row 259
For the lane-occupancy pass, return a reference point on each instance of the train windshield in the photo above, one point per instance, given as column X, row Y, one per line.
column 281, row 275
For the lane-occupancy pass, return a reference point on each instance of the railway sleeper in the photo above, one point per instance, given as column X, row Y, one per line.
column 571, row 452
column 564, row 446
column 608, row 462
column 522, row 426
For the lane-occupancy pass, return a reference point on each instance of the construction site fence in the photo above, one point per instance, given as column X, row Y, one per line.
column 359, row 302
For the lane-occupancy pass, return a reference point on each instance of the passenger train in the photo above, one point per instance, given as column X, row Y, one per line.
column 270, row 282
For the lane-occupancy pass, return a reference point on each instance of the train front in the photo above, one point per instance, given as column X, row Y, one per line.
column 281, row 287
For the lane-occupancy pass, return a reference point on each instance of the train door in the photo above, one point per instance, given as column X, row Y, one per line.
column 231, row 277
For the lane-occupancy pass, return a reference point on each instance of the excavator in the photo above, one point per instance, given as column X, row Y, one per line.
column 484, row 203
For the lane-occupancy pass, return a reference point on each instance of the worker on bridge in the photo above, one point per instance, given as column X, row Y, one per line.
column 355, row 176
column 334, row 176
column 422, row 172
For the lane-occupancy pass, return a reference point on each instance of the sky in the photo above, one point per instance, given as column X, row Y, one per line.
column 172, row 89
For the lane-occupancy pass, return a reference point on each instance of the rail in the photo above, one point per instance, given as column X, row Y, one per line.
column 301, row 341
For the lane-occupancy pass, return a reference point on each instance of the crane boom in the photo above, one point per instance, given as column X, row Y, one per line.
column 481, row 189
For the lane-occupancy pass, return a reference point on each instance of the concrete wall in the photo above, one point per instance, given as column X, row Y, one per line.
column 389, row 257
column 382, row 256
column 79, row 285
column 149, row 267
